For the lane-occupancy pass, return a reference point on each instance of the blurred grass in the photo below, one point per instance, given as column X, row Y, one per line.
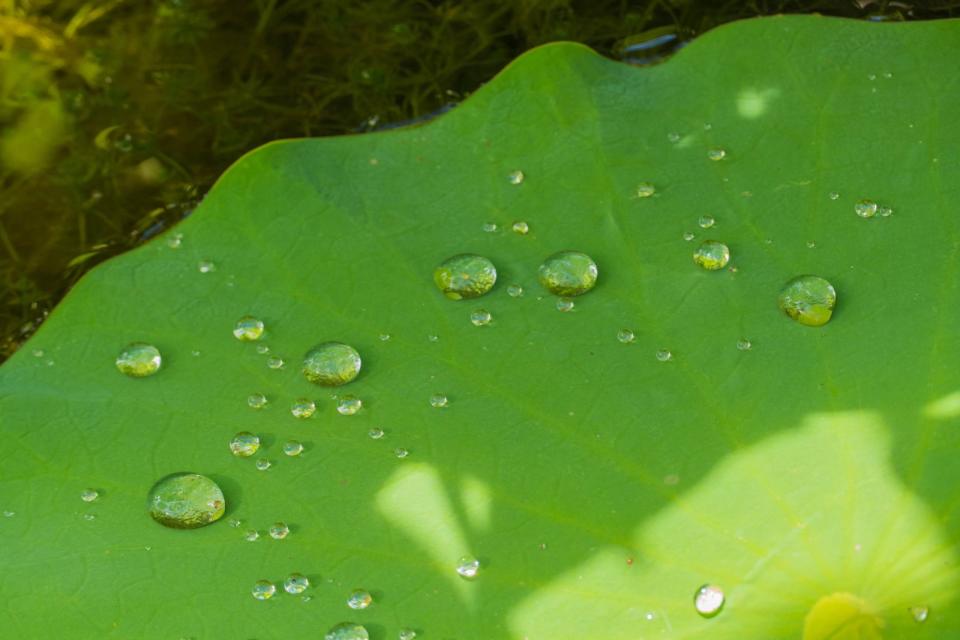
column 117, row 115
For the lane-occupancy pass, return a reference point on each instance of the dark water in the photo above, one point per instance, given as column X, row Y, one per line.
column 117, row 115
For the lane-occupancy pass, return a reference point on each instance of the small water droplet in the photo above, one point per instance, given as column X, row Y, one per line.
column 38, row 353
column 89, row 517
column 275, row 362
column 645, row 190
column 256, row 401
column 920, row 614
column 708, row 600
column 139, row 359
column 626, row 336
column 244, row 444
column 716, row 154
column 490, row 227
column 744, row 345
column 303, row 408
column 347, row 631
column 384, row 337
column 688, row 236
column 401, row 453
column 89, row 495
column 185, row 501
column 465, row 276
column 292, row 448
column 833, row 195
column 406, row 634
column 568, row 273
column 174, row 240
column 331, row 364
column 468, row 567
column 480, row 318
column 712, row 255
column 811, row 244
column 349, row 405
column 871, row 76
column 438, row 401
column 664, row 355
column 205, row 266
column 673, row 137
column 884, row 212
column 515, row 177
column 865, row 208
column 375, row 433
column 263, row 464
column 248, row 329
column 263, row 349
column 433, row 338
column 515, row 291
column 565, row 304
column 263, row 590
column 279, row 530
column 252, row 535
column 706, row 222
column 9, row 514
column 234, row 523
column 359, row 599
column 809, row 300
column 296, row 583
column 195, row 353
column 521, row 227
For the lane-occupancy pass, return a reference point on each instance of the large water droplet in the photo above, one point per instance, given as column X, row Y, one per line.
column 185, row 501
column 303, row 408
column 89, row 495
column 865, row 208
column 712, row 255
column 645, row 190
column 349, row 405
column 568, row 273
column 139, row 360
column 292, row 448
column 359, row 599
column 248, row 329
column 331, row 364
column 438, row 401
column 465, row 276
column 244, row 444
column 716, row 154
column 708, row 600
column 279, row 530
column 809, row 300
column 347, row 631
column 480, row 318
column 920, row 614
column 296, row 583
column 256, row 401
column 263, row 590
column 468, row 567
column 515, row 177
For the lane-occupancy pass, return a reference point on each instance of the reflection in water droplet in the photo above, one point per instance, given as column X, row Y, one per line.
column 248, row 329
column 263, row 464
column 406, row 634
column 438, row 401
column 809, row 300
column 744, row 345
column 468, row 567
column 292, row 448
column 349, row 405
column 920, row 614
column 716, row 154
column 708, row 600
column 331, row 364
column 568, row 273
column 521, row 228
column 279, row 530
column 490, row 227
column 139, row 360
column 263, row 590
column 205, row 266
column 359, row 599
column 645, row 190
column 712, row 255
column 626, row 336
column 296, row 583
column 185, row 501
column 706, row 222
column 515, row 291
column 565, row 304
column 401, row 453
column 833, row 195
column 256, row 401
column 688, row 236
column 375, row 433
column 275, row 362
column 252, row 535
column 465, row 276
column 347, row 631
column 244, row 444
column 303, row 408
column 865, row 208
column 480, row 318
column 89, row 495
column 663, row 355
column 515, row 177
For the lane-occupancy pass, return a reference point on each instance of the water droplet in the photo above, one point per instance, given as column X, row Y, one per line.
column 38, row 353
column 706, row 222
column 9, row 514
column 433, row 338
column 920, row 613
column 712, row 255
column 468, row 567
column 275, row 362
column 884, row 212
column 296, row 583
column 490, row 227
column 744, row 345
column 515, row 177
column 303, row 408
column 865, row 208
column 811, row 244
column 234, row 523
column 139, row 360
column 244, row 444
column 263, row 349
column 347, row 631
column 205, row 266
column 568, row 273
column 263, row 590
column 252, row 535
column 331, row 364
column 263, row 464
column 809, row 300
column 406, row 634
column 565, row 304
column 375, row 433
column 438, row 401
column 480, row 318
column 716, row 154
column 89, row 495
column 349, row 405
column 292, row 448
column 89, row 517
column 673, row 136
column 626, row 336
column 688, row 236
column 384, row 337
column 359, row 599
column 663, row 355
column 279, row 530
column 248, row 329
column 833, row 195
column 645, row 190
column 708, row 600
column 871, row 76
column 401, row 453
column 465, row 276
column 515, row 291
column 174, row 240
column 185, row 501
column 257, row 401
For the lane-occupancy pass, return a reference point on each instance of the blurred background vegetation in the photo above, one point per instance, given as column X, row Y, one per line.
column 116, row 116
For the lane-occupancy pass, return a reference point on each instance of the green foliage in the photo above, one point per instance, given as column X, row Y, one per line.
column 812, row 475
